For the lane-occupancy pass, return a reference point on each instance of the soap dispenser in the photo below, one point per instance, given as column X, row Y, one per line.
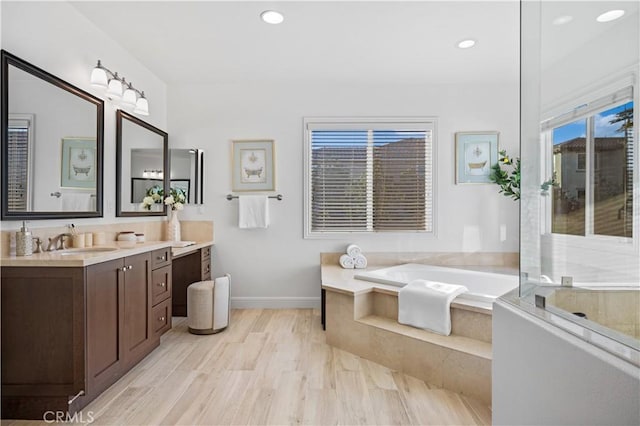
column 24, row 241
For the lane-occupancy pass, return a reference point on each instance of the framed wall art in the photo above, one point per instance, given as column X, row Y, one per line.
column 78, row 164
column 253, row 165
column 476, row 152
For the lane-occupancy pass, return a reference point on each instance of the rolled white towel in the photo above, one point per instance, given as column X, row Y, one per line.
column 353, row 250
column 360, row 262
column 347, row 262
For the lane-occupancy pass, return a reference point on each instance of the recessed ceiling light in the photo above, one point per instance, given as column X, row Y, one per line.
column 611, row 15
column 465, row 44
column 561, row 20
column 272, row 17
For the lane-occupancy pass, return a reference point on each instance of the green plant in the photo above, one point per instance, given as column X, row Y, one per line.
column 506, row 174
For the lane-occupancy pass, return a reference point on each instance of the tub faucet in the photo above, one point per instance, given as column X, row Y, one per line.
column 57, row 242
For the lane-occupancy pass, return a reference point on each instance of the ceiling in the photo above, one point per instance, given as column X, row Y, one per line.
column 559, row 41
column 410, row 42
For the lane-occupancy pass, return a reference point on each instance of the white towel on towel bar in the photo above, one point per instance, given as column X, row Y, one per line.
column 77, row 202
column 253, row 211
column 426, row 304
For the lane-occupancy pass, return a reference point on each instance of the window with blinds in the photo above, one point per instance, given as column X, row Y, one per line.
column 369, row 177
column 18, row 163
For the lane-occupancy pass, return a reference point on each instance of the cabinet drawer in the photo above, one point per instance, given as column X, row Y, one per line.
column 161, row 284
column 206, row 269
column 161, row 317
column 205, row 253
column 160, row 257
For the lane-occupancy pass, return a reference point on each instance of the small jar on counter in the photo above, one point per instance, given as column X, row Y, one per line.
column 126, row 236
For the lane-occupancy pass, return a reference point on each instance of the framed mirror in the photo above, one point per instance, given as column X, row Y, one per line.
column 142, row 162
column 52, row 145
column 187, row 171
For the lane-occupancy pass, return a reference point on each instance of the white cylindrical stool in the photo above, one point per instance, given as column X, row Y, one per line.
column 208, row 305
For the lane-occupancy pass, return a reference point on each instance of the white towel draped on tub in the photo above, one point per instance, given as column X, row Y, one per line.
column 253, row 211
column 426, row 304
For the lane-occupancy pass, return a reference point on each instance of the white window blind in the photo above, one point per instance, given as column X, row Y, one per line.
column 370, row 177
column 18, row 164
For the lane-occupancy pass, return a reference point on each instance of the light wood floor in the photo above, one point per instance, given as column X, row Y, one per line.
column 271, row 367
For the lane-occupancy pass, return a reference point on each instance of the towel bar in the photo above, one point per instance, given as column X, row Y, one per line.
column 277, row 197
column 59, row 194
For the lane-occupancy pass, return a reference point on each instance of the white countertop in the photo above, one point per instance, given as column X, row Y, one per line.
column 182, row 251
column 57, row 259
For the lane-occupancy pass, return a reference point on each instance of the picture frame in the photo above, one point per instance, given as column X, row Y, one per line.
column 253, row 165
column 140, row 186
column 78, row 163
column 184, row 185
column 476, row 153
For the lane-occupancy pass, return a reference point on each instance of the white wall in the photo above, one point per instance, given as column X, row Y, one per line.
column 545, row 376
column 57, row 38
column 271, row 265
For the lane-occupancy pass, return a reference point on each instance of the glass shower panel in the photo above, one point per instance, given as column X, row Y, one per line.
column 579, row 212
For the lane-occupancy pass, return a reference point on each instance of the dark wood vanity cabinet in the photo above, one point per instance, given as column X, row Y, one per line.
column 189, row 268
column 70, row 332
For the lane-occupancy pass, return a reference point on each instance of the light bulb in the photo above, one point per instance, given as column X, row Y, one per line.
column 611, row 15
column 142, row 105
column 272, row 17
column 99, row 77
column 115, row 87
column 465, row 44
column 129, row 97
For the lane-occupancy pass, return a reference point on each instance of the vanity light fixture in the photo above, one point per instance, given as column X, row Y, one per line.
column 118, row 88
column 465, row 44
column 611, row 15
column 153, row 173
column 272, row 17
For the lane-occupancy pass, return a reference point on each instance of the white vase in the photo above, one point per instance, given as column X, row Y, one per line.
column 173, row 227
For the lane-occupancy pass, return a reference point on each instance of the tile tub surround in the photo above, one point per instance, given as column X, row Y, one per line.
column 199, row 231
column 617, row 309
column 484, row 261
column 361, row 317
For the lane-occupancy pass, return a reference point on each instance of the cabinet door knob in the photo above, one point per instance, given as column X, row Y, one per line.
column 130, row 267
column 123, row 269
column 161, row 284
column 160, row 258
column 161, row 319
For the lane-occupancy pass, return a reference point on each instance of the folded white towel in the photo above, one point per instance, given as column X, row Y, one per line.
column 426, row 304
column 77, row 202
column 353, row 250
column 253, row 211
column 360, row 262
column 347, row 262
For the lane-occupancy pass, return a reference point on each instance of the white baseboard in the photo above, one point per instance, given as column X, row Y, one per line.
column 275, row 303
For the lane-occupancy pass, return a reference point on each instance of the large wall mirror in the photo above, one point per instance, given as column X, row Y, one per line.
column 52, row 145
column 187, row 170
column 141, row 167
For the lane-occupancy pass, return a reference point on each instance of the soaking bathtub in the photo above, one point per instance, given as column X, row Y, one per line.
column 483, row 287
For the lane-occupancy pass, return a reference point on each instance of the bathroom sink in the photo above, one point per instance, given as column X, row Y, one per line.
column 87, row 250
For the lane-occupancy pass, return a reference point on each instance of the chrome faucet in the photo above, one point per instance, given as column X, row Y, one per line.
column 57, row 242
